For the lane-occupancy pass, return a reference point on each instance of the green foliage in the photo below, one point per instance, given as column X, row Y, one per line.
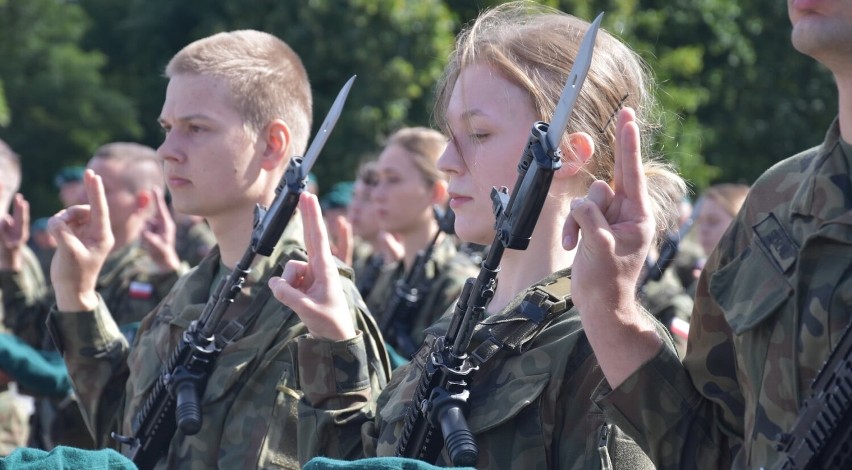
column 397, row 48
column 735, row 96
column 59, row 108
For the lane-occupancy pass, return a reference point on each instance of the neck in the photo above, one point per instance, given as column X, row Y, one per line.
column 544, row 256
column 125, row 235
column 233, row 234
column 844, row 91
column 417, row 240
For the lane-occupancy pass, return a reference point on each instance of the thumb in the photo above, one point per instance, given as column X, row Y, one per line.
column 287, row 294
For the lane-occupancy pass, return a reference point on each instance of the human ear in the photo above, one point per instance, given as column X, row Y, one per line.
column 579, row 151
column 275, row 139
column 440, row 195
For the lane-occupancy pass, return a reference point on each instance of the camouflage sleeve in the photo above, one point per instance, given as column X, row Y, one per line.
column 338, row 397
column 26, row 301
column 684, row 415
column 95, row 353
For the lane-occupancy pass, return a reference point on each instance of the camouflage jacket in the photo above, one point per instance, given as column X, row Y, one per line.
column 19, row 289
column 530, row 408
column 128, row 284
column 193, row 241
column 249, row 403
column 446, row 273
column 773, row 300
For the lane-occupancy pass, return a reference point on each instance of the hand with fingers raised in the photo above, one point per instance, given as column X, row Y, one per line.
column 14, row 233
column 612, row 229
column 158, row 237
column 313, row 288
column 83, row 241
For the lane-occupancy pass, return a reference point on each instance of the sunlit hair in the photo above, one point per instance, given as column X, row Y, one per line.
column 10, row 176
column 533, row 47
column 266, row 78
column 729, row 196
column 425, row 146
column 142, row 167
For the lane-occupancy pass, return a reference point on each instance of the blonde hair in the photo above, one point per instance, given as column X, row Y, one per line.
column 265, row 76
column 425, row 146
column 534, row 46
column 142, row 167
column 729, row 196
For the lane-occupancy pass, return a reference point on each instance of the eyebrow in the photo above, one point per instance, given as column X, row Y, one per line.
column 190, row 117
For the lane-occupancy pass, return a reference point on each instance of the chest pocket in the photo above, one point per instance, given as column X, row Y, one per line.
column 496, row 406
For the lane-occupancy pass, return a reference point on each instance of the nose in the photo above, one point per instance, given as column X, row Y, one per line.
column 451, row 162
column 169, row 150
column 379, row 192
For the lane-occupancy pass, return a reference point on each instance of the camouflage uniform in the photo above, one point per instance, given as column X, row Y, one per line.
column 249, row 404
column 531, row 407
column 667, row 300
column 193, row 241
column 127, row 282
column 446, row 273
column 773, row 300
column 14, row 422
column 130, row 288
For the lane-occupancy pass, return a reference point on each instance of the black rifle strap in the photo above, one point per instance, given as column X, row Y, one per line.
column 516, row 330
column 236, row 327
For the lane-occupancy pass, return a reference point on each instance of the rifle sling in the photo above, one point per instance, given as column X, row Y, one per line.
column 234, row 329
column 516, row 330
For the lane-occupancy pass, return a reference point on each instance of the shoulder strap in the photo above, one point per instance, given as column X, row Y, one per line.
column 516, row 330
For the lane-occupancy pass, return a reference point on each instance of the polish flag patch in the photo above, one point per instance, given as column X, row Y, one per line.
column 141, row 290
column 680, row 328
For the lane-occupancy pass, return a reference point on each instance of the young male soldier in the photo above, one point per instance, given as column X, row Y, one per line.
column 237, row 108
column 773, row 300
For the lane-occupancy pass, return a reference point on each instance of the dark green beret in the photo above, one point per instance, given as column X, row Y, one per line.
column 63, row 457
column 339, row 196
column 69, row 174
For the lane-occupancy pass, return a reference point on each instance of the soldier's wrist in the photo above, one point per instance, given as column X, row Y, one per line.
column 70, row 300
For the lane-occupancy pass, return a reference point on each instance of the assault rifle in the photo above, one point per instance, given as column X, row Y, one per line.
column 821, row 435
column 409, row 291
column 174, row 401
column 668, row 251
column 436, row 417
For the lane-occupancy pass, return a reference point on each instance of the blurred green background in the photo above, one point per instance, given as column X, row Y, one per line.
column 77, row 74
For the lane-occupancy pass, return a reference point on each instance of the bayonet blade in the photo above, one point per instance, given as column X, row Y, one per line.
column 573, row 85
column 327, row 125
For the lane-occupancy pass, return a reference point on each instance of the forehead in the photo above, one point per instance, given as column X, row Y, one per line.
column 198, row 94
column 481, row 90
column 395, row 157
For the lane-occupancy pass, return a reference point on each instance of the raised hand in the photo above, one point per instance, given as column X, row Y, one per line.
column 342, row 239
column 389, row 247
column 14, row 233
column 83, row 242
column 158, row 237
column 612, row 227
column 313, row 288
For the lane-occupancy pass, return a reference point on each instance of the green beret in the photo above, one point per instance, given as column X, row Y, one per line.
column 39, row 225
column 338, row 197
column 384, row 463
column 69, row 174
column 65, row 457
